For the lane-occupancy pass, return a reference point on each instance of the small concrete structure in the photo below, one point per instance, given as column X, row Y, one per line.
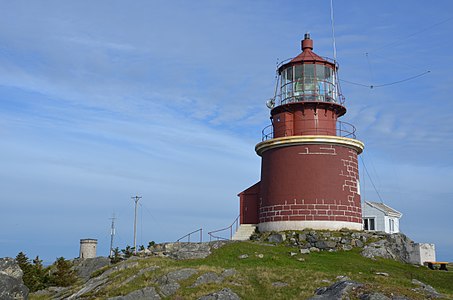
column 88, row 248
column 244, row 232
column 423, row 252
column 380, row 217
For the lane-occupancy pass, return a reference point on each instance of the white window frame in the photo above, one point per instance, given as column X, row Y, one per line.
column 367, row 220
column 391, row 225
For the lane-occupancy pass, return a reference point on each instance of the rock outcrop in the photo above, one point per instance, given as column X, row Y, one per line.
column 148, row 293
column 11, row 284
column 395, row 246
column 86, row 267
column 336, row 291
column 346, row 289
column 224, row 294
column 184, row 250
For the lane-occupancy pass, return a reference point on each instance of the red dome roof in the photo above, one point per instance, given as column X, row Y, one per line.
column 307, row 55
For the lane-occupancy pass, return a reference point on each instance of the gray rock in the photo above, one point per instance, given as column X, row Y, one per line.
column 312, row 238
column 378, row 249
column 86, row 267
column 176, row 276
column 293, row 253
column 187, row 250
column 345, row 241
column 374, row 296
column 209, row 277
column 279, row 284
column 228, row 273
column 342, row 278
column 95, row 283
column 323, row 245
column 224, row 294
column 395, row 246
column 277, row 238
column 12, row 288
column 302, row 237
column 146, row 293
column 89, row 286
column 304, row 251
column 314, row 249
column 347, row 247
column 9, row 267
column 218, row 244
column 169, row 288
column 260, row 255
column 242, row 256
column 426, row 289
column 336, row 291
column 168, row 284
column 11, row 284
column 358, row 243
column 121, row 266
column 54, row 293
column 382, row 274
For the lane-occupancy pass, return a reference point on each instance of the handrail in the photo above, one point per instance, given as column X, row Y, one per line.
column 211, row 235
column 189, row 234
column 343, row 129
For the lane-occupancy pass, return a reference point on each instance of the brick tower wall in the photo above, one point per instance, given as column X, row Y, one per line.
column 310, row 182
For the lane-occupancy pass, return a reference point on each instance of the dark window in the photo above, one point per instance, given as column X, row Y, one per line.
column 368, row 224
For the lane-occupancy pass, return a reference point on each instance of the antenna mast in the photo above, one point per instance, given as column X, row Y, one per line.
column 333, row 32
column 112, row 234
column 136, row 199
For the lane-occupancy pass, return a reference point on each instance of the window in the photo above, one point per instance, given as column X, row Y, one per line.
column 391, row 225
column 368, row 224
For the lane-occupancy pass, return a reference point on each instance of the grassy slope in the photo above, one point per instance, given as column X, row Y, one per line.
column 303, row 273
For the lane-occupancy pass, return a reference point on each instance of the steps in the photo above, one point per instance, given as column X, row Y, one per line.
column 244, row 232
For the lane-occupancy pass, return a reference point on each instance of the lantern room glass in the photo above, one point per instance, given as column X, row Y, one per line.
column 308, row 82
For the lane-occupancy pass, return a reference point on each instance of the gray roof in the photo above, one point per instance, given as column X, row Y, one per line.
column 385, row 209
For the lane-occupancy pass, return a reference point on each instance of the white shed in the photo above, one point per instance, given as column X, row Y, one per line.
column 380, row 217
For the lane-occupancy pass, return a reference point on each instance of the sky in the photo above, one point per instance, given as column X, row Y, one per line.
column 104, row 100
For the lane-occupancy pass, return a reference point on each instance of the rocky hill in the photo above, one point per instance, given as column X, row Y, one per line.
column 290, row 265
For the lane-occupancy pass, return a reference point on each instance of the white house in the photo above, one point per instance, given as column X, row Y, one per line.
column 380, row 217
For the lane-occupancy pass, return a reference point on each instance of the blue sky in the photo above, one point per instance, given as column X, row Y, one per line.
column 100, row 101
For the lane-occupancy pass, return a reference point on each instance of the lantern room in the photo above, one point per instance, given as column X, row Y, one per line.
column 309, row 101
column 308, row 77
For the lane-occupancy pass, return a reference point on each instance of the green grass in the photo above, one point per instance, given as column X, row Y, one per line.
column 303, row 273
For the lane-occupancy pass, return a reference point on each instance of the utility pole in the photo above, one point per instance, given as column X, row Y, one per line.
column 135, row 198
column 112, row 234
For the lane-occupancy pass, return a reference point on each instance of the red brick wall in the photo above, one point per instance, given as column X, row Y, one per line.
column 310, row 183
column 306, row 118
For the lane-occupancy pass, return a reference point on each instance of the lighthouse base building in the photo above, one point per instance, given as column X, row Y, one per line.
column 309, row 169
column 296, row 191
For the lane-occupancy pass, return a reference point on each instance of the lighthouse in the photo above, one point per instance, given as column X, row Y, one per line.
column 309, row 159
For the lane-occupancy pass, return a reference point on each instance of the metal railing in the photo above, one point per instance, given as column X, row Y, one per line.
column 229, row 228
column 189, row 235
column 342, row 129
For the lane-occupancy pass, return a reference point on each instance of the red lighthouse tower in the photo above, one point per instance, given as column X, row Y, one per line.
column 309, row 169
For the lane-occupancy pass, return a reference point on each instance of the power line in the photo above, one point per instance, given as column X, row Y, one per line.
column 372, row 86
column 371, row 180
column 412, row 34
column 400, row 81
